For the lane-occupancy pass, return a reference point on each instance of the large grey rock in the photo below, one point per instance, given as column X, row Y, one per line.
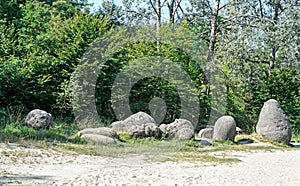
column 273, row 124
column 136, row 119
column 225, row 128
column 181, row 129
column 104, row 131
column 206, row 133
column 145, row 130
column 118, row 126
column 163, row 127
column 99, row 138
column 38, row 119
column 139, row 119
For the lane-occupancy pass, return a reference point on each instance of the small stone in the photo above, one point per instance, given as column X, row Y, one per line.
column 206, row 133
column 205, row 141
column 238, row 130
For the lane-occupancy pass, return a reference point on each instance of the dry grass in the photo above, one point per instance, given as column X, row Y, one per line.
column 161, row 150
column 201, row 157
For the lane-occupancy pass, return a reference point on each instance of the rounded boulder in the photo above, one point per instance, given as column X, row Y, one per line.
column 273, row 124
column 225, row 128
column 38, row 119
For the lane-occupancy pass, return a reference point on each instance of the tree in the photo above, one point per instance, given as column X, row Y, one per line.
column 259, row 48
column 145, row 10
column 263, row 32
column 40, row 50
column 212, row 40
column 248, row 41
column 137, row 10
column 112, row 12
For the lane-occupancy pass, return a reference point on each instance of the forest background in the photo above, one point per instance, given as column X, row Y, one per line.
column 254, row 44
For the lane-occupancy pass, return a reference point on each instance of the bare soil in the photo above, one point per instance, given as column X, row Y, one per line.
column 35, row 166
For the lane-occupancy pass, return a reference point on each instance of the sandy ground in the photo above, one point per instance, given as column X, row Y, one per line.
column 32, row 166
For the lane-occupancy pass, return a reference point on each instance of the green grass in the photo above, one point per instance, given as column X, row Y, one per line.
column 63, row 137
column 296, row 138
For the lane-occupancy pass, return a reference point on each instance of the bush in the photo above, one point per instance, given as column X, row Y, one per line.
column 245, row 102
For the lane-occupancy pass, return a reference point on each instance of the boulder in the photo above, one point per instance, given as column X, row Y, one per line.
column 104, row 131
column 206, row 133
column 181, row 129
column 145, row 130
column 273, row 124
column 136, row 119
column 163, row 128
column 99, row 138
column 118, row 126
column 225, row 128
column 238, row 130
column 38, row 119
column 139, row 119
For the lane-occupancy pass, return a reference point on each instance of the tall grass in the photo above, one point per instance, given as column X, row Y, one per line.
column 12, row 128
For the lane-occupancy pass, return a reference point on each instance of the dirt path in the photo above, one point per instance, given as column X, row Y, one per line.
column 31, row 166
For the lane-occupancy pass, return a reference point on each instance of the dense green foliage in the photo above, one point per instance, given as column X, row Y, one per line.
column 246, row 100
column 42, row 43
column 149, row 87
column 40, row 50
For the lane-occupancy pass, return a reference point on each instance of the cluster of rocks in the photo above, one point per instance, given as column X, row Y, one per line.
column 273, row 124
column 102, row 135
column 139, row 125
column 143, row 125
column 224, row 129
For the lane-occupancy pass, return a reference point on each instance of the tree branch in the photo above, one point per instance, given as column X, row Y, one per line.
column 152, row 5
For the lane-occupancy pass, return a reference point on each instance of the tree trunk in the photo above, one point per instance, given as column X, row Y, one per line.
column 273, row 46
column 212, row 42
column 158, row 21
column 172, row 11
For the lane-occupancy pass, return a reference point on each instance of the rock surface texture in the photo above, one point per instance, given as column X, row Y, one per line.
column 206, row 133
column 103, row 135
column 104, row 131
column 145, row 130
column 238, row 130
column 38, row 119
column 136, row 119
column 99, row 138
column 273, row 124
column 225, row 128
column 181, row 129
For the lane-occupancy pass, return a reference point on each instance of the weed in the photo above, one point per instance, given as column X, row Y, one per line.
column 200, row 157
